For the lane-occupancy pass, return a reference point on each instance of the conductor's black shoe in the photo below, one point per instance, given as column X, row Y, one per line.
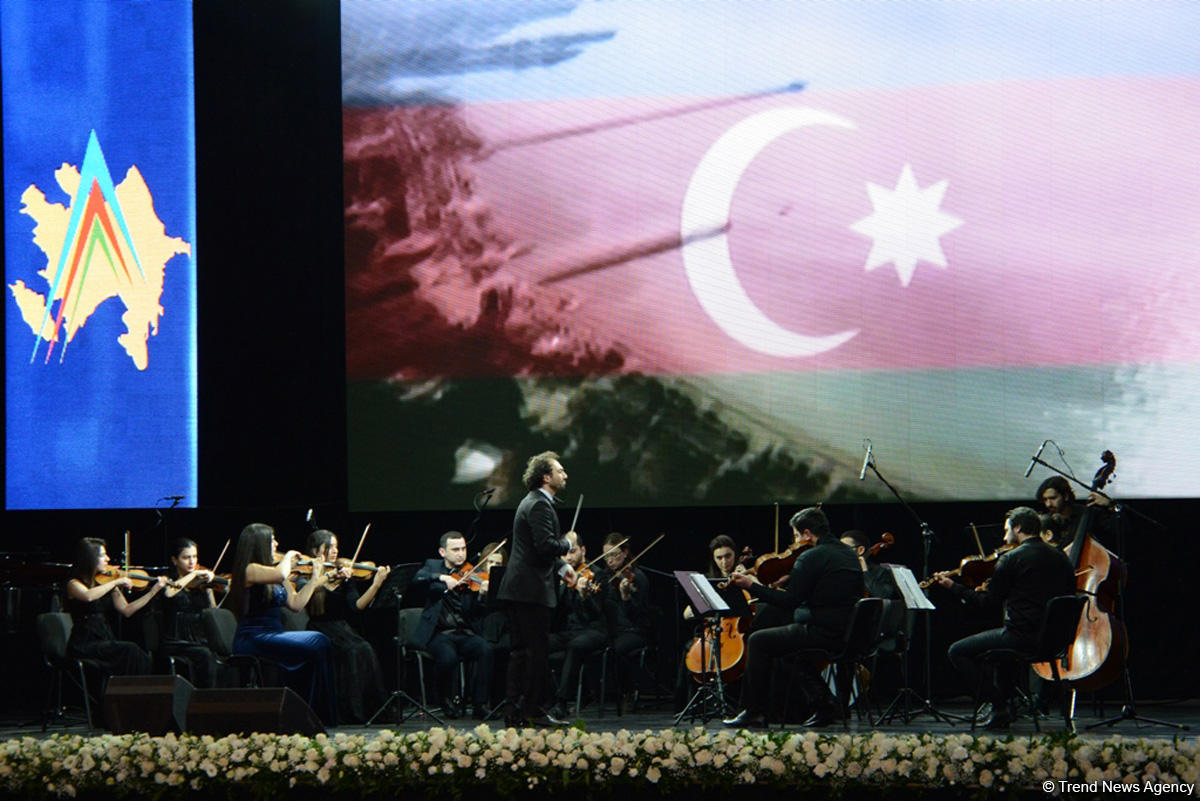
column 747, row 720
column 825, row 714
column 559, row 711
column 547, row 722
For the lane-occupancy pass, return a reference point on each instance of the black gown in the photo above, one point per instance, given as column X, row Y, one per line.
column 357, row 673
column 184, row 635
column 92, row 638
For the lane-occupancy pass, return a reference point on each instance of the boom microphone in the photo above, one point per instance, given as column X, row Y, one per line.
column 866, row 462
column 1035, row 458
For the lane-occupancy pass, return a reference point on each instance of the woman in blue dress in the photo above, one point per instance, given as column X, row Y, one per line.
column 258, row 590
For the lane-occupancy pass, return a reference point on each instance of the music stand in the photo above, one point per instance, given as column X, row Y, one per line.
column 708, row 700
column 908, row 703
column 398, row 695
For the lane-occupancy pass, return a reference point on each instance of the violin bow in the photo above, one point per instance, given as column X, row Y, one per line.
column 776, row 527
column 219, row 558
column 358, row 550
column 578, row 506
column 128, row 561
column 629, row 565
column 480, row 563
column 978, row 544
column 616, row 547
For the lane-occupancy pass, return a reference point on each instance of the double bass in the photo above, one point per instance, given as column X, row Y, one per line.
column 1101, row 645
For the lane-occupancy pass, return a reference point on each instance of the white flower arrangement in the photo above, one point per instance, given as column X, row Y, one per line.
column 441, row 761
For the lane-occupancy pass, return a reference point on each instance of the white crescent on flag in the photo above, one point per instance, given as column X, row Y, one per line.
column 706, row 207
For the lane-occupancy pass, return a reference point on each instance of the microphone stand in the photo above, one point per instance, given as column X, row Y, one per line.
column 923, row 705
column 1129, row 708
column 486, row 495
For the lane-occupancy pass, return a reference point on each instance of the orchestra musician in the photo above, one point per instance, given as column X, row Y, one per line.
column 449, row 627
column 88, row 601
column 183, row 602
column 825, row 583
column 722, row 562
column 879, row 580
column 579, row 628
column 495, row 621
column 627, row 610
column 529, row 592
column 1055, row 496
column 259, row 588
column 357, row 674
column 1024, row 581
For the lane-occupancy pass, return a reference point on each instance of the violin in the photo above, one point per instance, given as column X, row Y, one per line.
column 772, row 569
column 886, row 540
column 975, row 570
column 219, row 581
column 585, row 582
column 140, row 578
column 469, row 577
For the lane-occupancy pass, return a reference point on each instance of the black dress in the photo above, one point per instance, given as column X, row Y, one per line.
column 92, row 639
column 356, row 670
column 184, row 634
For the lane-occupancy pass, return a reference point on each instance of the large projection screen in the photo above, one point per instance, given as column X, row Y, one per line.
column 99, row 237
column 706, row 250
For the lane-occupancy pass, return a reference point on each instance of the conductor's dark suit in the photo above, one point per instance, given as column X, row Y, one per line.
column 528, row 590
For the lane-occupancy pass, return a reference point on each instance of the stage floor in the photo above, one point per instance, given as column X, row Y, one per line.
column 1181, row 713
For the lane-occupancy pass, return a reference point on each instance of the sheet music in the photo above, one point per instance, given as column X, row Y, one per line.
column 709, row 593
column 703, row 596
column 910, row 590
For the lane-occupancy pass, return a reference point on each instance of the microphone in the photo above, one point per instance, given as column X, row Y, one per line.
column 173, row 497
column 866, row 462
column 308, row 518
column 489, row 491
column 1035, row 458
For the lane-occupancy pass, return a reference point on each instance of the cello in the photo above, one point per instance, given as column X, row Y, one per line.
column 1101, row 645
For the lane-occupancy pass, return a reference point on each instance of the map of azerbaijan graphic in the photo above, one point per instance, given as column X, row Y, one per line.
column 108, row 243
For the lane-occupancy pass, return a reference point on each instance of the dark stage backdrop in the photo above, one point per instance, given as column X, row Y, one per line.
column 272, row 384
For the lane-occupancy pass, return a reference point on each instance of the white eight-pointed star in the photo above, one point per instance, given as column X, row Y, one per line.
column 906, row 225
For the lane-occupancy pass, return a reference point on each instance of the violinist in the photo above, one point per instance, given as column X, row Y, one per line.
column 89, row 600
column 1054, row 530
column 184, row 600
column 579, row 628
column 1025, row 579
column 879, row 580
column 259, row 588
column 332, row 607
column 627, row 610
column 1055, row 496
column 825, row 583
column 495, row 622
column 449, row 626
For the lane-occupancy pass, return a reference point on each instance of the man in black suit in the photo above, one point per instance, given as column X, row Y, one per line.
column 1024, row 581
column 825, row 583
column 449, row 626
column 528, row 589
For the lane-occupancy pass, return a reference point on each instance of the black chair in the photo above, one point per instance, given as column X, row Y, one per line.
column 895, row 636
column 857, row 646
column 406, row 623
column 1054, row 641
column 54, row 632
column 220, row 626
column 152, row 640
